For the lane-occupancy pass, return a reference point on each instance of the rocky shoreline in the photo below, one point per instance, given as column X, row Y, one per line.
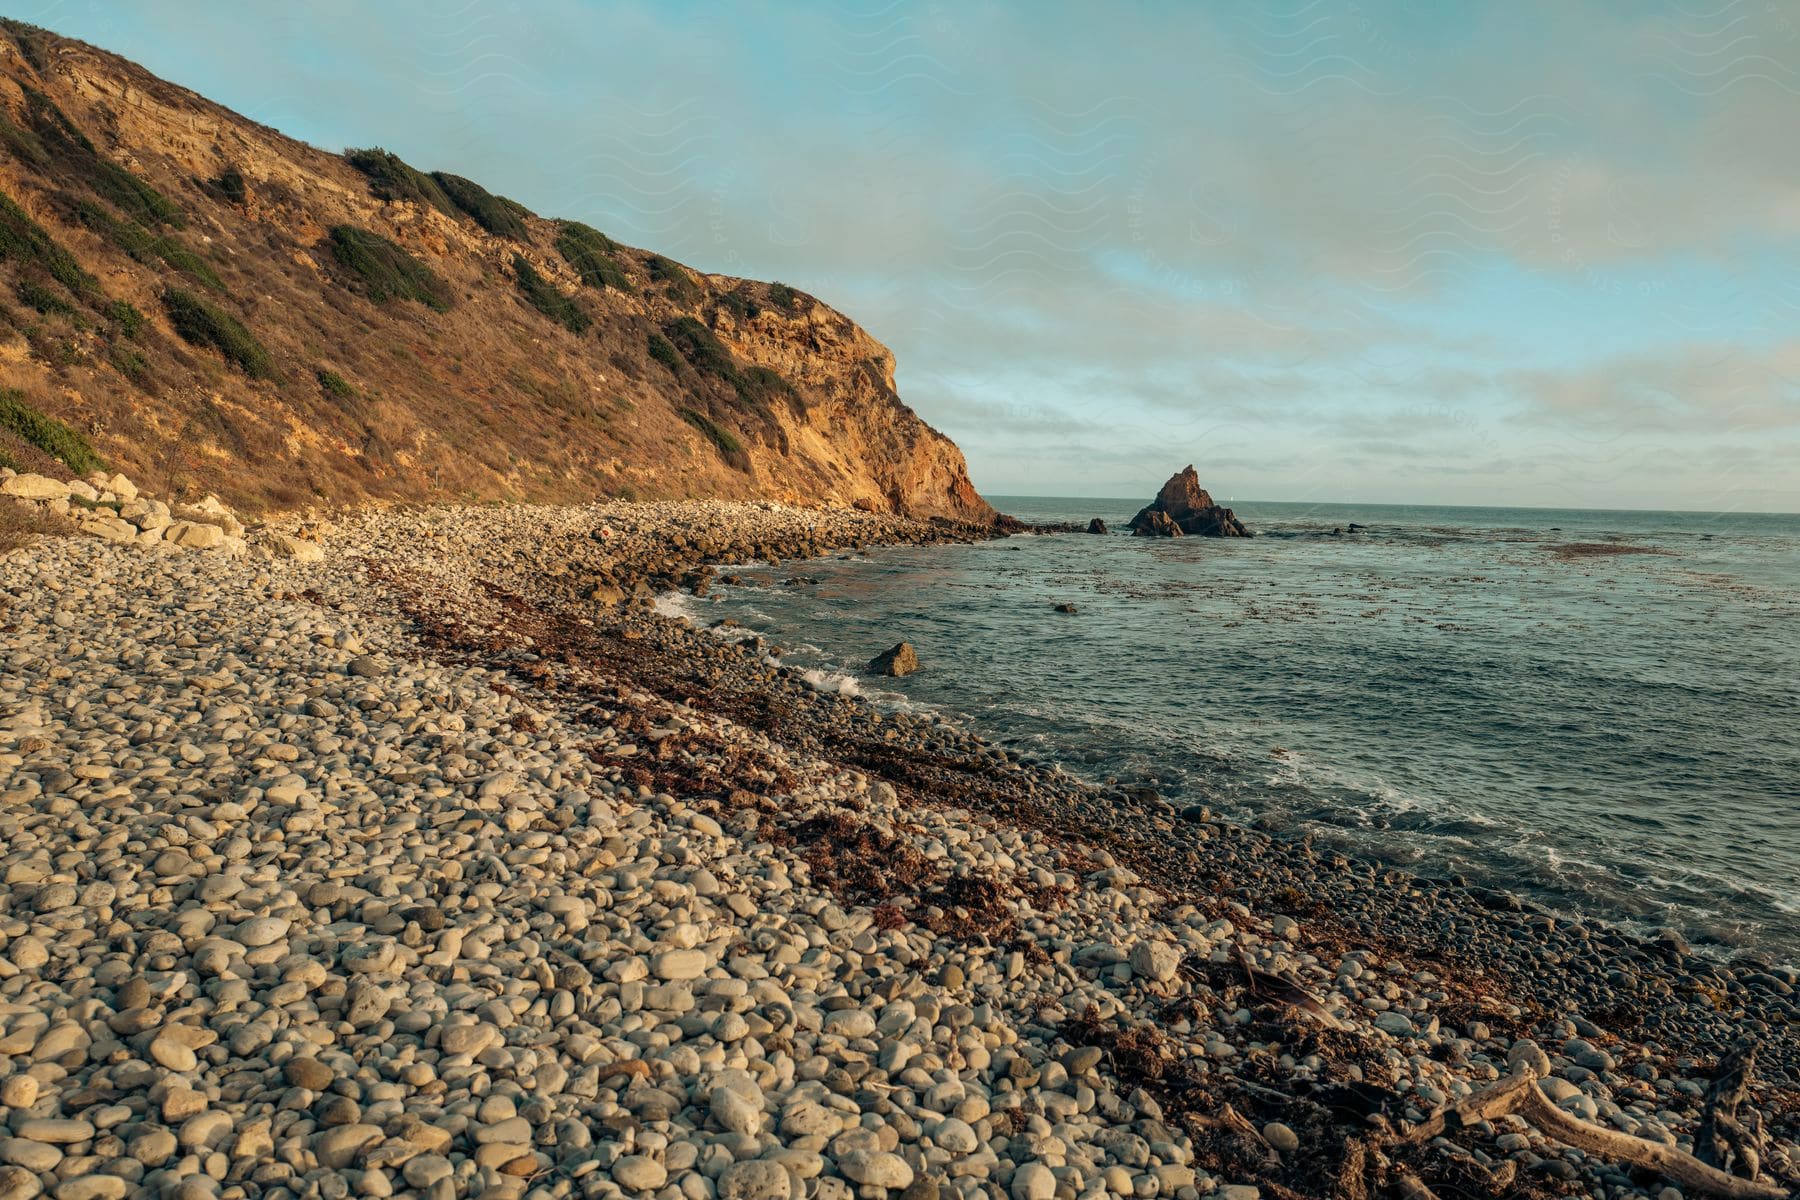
column 444, row 865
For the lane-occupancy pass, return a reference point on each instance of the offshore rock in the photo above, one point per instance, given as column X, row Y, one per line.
column 901, row 660
column 1189, row 508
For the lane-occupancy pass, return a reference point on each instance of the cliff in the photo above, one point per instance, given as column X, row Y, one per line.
column 208, row 305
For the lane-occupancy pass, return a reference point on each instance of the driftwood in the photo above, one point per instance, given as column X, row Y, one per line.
column 1278, row 987
column 1725, row 1140
column 1519, row 1095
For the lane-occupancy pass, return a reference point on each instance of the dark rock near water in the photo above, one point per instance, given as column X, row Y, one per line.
column 1153, row 522
column 901, row 660
column 1096, row 526
column 1065, row 608
column 1184, row 507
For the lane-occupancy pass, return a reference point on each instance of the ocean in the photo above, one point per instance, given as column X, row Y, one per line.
column 1456, row 691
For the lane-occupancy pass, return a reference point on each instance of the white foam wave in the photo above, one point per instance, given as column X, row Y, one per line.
column 675, row 604
column 831, row 683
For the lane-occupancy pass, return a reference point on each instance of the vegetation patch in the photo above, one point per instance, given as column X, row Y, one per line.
column 542, row 295
column 229, row 186
column 204, row 325
column 740, row 303
column 390, row 178
column 760, row 387
column 133, row 366
column 591, row 253
column 46, row 433
column 41, row 297
column 783, row 297
column 663, row 351
column 125, row 316
column 23, row 240
column 64, row 152
column 384, row 271
column 701, row 347
column 730, row 449
column 33, row 42
column 757, row 387
column 496, row 214
column 336, row 385
column 23, row 524
column 679, row 284
column 144, row 246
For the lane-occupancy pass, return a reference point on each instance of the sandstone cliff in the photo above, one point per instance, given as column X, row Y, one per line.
column 211, row 306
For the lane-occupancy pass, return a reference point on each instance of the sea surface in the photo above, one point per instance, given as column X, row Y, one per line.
column 1451, row 690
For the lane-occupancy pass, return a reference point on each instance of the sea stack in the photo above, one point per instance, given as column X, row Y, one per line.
column 1184, row 507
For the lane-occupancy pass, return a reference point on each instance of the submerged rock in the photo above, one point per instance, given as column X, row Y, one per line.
column 901, row 660
column 1183, row 506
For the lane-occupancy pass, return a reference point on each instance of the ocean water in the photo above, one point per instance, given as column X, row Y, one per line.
column 1448, row 691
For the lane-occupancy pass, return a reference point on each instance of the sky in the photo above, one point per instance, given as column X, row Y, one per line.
column 1485, row 253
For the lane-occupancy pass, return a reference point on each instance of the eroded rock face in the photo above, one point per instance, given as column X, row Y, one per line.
column 1183, row 506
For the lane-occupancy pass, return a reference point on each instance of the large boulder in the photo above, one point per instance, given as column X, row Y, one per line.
column 194, row 535
column 1189, row 508
column 1096, row 526
column 901, row 660
column 35, row 487
column 1153, row 522
column 286, row 545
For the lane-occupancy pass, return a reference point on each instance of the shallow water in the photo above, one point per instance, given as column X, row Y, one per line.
column 1617, row 735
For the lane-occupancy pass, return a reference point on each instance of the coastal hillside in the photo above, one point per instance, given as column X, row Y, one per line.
column 209, row 306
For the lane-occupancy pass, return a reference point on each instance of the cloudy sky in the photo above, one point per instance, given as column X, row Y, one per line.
column 1502, row 253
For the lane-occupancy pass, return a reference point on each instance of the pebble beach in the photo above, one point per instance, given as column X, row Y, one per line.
column 433, row 860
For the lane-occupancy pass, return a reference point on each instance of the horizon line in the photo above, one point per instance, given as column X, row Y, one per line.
column 1702, row 512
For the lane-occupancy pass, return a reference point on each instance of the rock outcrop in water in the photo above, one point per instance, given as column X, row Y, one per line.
column 1183, row 506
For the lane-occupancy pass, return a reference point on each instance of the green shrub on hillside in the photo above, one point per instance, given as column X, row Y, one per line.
column 730, row 449
column 740, row 303
column 204, row 325
column 542, row 295
column 46, row 433
column 25, row 145
column 385, row 271
column 230, row 186
column 144, row 246
column 37, row 295
column 759, row 387
column 674, row 276
column 663, row 351
column 335, row 384
column 133, row 366
column 782, row 296
column 23, row 240
column 496, row 214
column 33, row 42
column 590, row 252
column 700, row 347
column 126, row 316
column 390, row 178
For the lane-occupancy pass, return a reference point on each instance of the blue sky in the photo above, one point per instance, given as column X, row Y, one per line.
column 1523, row 253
